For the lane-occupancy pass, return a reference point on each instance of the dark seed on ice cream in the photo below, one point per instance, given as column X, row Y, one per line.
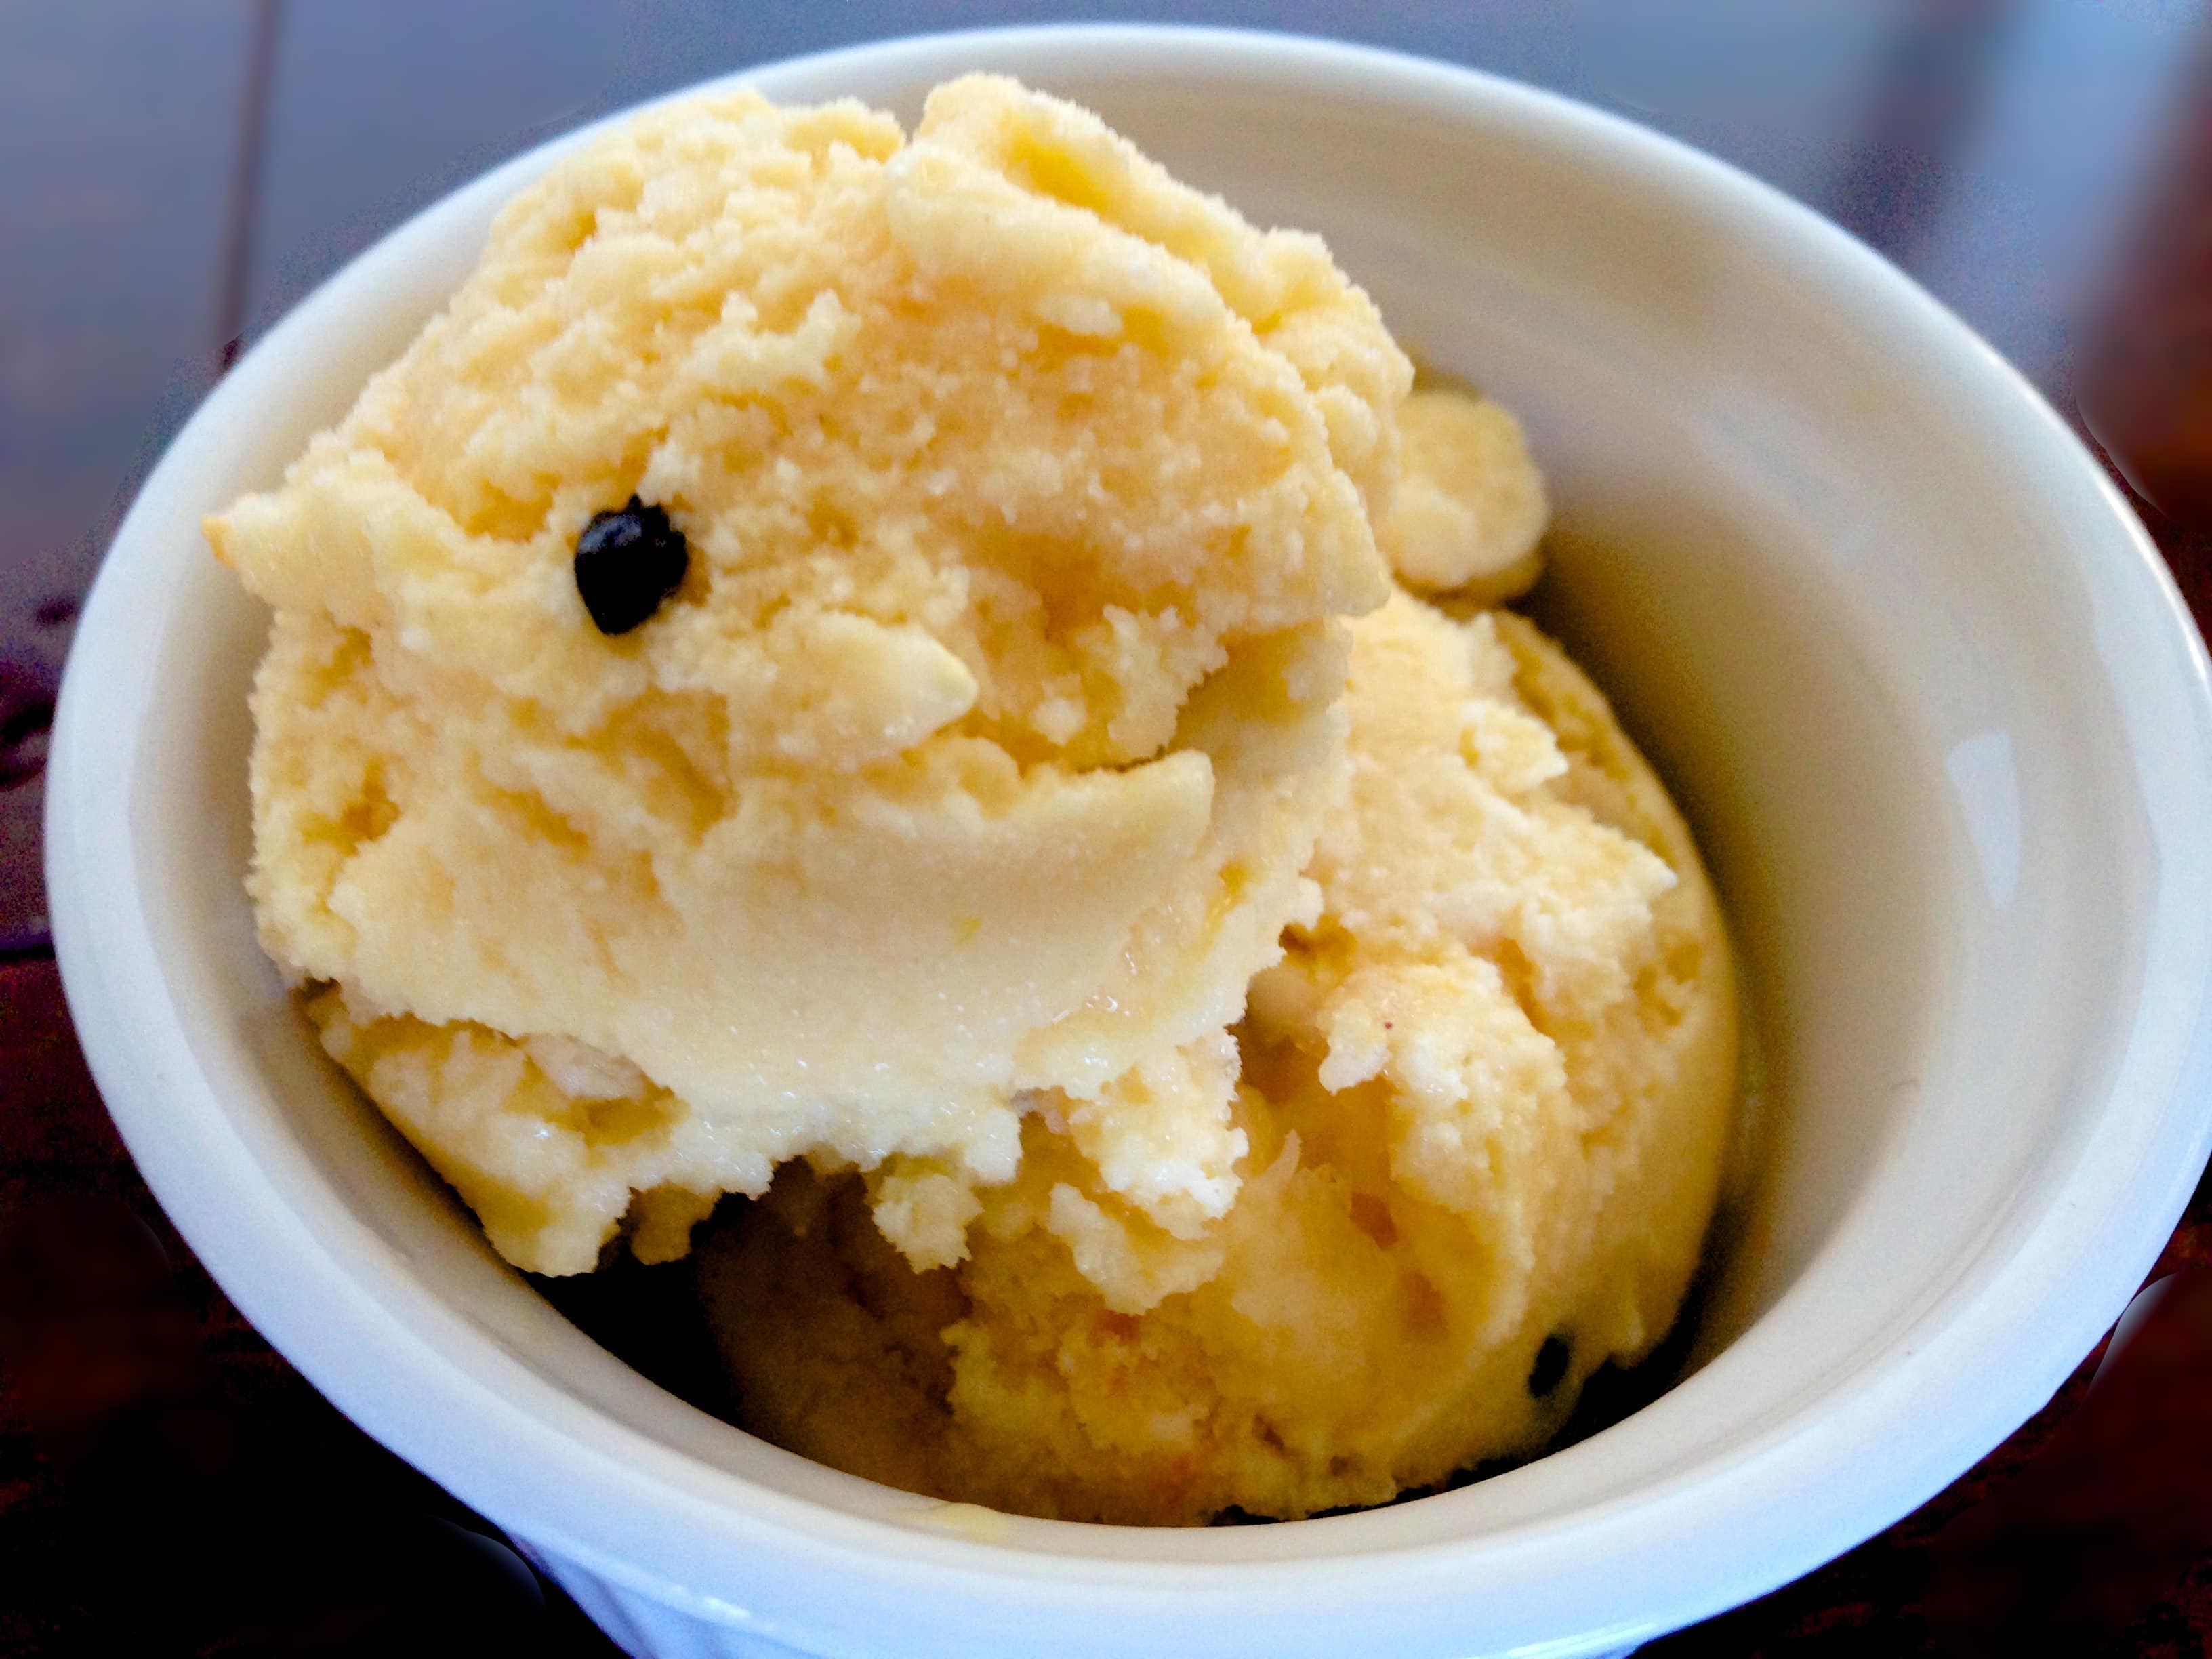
column 1551, row 1367
column 627, row 561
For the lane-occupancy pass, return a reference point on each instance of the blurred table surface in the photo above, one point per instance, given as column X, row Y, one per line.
column 176, row 173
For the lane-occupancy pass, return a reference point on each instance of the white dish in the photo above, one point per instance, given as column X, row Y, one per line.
column 1914, row 670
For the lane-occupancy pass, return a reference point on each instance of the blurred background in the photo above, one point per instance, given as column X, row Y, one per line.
column 174, row 174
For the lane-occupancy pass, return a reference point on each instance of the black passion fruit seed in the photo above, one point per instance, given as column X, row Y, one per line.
column 1551, row 1367
column 627, row 561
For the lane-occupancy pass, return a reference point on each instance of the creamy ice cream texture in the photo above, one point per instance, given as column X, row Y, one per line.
column 1216, row 1048
column 980, row 751
column 1485, row 1097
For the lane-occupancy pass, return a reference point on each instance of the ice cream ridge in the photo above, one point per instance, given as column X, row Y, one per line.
column 855, row 685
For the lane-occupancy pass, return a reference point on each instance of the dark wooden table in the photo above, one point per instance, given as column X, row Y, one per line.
column 174, row 174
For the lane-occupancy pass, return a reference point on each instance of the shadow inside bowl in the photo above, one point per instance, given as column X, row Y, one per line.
column 653, row 1319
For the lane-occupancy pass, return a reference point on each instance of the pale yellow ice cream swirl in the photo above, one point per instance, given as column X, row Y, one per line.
column 1486, row 1096
column 977, row 755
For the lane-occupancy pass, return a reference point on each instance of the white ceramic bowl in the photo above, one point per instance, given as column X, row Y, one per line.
column 1916, row 671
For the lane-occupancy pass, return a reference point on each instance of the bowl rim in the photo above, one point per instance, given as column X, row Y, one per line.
column 520, row 1453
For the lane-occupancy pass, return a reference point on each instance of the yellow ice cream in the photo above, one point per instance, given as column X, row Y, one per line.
column 1220, row 1030
column 977, row 758
column 1470, row 508
column 1485, row 1097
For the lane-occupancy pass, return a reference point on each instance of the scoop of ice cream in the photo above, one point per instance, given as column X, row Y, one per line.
column 1470, row 509
column 1485, row 1096
column 976, row 755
